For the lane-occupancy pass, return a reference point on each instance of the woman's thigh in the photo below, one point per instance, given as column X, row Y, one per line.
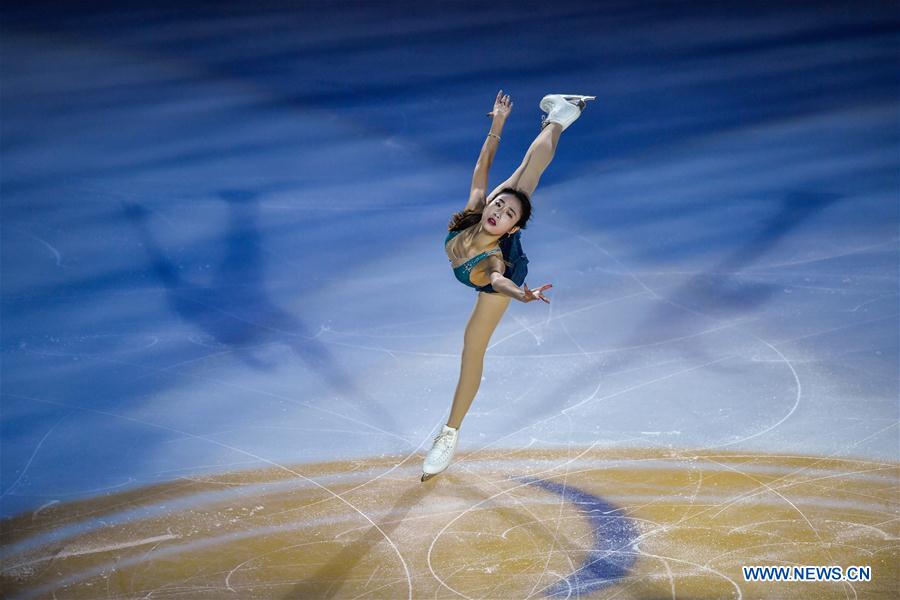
column 488, row 311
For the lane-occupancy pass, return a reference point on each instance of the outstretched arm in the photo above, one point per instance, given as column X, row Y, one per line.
column 508, row 287
column 502, row 106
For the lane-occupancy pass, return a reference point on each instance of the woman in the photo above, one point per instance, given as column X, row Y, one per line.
column 485, row 233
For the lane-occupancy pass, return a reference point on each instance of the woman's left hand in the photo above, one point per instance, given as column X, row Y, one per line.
column 535, row 293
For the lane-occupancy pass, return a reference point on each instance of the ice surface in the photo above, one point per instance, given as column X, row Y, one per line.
column 221, row 249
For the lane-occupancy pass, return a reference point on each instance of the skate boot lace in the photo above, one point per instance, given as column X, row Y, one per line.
column 444, row 441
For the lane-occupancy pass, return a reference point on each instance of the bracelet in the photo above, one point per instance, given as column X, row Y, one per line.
column 494, row 135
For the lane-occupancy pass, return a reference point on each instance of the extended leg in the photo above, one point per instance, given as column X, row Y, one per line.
column 489, row 308
column 538, row 156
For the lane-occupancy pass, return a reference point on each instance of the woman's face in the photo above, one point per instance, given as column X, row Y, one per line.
column 502, row 214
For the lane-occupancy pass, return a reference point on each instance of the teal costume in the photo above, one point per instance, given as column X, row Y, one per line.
column 511, row 248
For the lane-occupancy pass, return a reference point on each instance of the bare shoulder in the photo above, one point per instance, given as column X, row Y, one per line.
column 494, row 264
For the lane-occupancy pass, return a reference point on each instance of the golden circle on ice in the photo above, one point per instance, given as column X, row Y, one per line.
column 529, row 523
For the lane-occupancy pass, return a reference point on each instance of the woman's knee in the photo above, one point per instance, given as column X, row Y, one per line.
column 475, row 342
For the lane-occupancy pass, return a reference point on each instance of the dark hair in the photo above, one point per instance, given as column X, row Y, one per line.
column 466, row 218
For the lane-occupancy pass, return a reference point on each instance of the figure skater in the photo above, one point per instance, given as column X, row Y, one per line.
column 485, row 252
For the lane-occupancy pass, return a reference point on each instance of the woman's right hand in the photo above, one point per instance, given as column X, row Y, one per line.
column 535, row 293
column 502, row 106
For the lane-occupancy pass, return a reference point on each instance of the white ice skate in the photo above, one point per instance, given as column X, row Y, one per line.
column 563, row 108
column 438, row 458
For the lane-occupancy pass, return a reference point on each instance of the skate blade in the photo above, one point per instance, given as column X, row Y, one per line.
column 427, row 476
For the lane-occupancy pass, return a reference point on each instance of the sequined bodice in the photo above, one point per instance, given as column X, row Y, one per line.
column 462, row 271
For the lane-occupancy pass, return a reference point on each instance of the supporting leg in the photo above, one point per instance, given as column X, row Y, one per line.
column 536, row 160
column 489, row 308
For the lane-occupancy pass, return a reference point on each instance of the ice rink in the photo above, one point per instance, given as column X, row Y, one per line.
column 230, row 332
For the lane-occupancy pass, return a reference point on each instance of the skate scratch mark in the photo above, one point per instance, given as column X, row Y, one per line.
column 42, row 507
column 786, row 361
column 628, row 271
column 828, row 257
column 815, row 531
column 857, row 307
column 373, row 590
column 219, row 541
column 634, row 508
column 753, row 275
column 563, row 580
column 525, row 327
column 562, row 323
column 702, row 567
column 688, row 336
column 614, row 394
column 806, row 468
column 832, row 330
column 760, row 490
column 788, row 543
column 406, row 458
column 31, row 458
column 766, row 487
column 693, row 498
column 884, row 534
column 258, row 556
column 797, row 395
column 273, row 463
column 573, row 312
column 886, row 521
column 562, row 500
column 714, row 329
column 369, row 580
column 670, row 576
column 134, row 575
column 517, row 332
column 698, row 313
column 488, row 499
column 527, row 509
column 84, row 551
column 55, row 252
